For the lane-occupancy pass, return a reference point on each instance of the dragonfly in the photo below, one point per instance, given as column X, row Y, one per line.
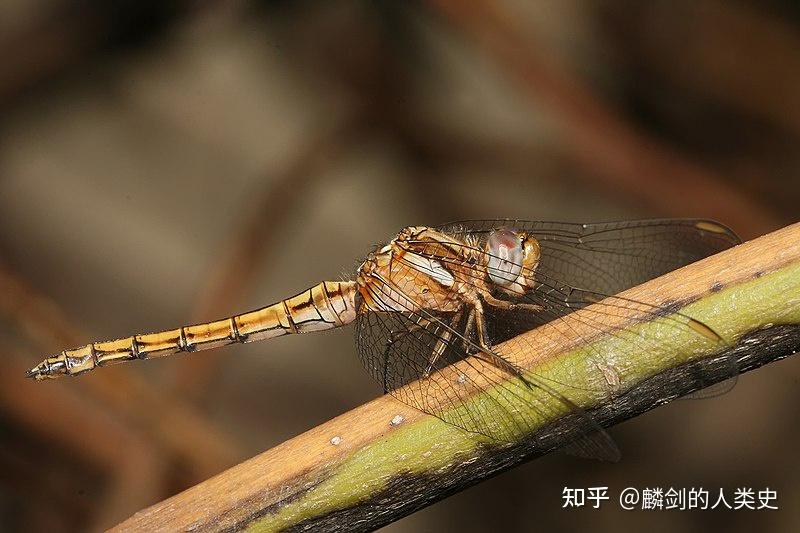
column 442, row 313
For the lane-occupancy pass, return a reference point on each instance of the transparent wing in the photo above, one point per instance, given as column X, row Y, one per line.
column 583, row 264
column 397, row 349
column 596, row 324
column 609, row 257
column 581, row 268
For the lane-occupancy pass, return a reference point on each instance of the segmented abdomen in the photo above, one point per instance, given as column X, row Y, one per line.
column 326, row 305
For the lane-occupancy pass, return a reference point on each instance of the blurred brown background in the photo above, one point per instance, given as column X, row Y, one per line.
column 169, row 162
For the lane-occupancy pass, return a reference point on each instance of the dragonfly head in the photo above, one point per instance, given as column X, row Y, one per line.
column 513, row 258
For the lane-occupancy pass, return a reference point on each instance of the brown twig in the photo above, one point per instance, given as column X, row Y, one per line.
column 254, row 242
column 737, row 54
column 65, row 417
column 612, row 149
column 383, row 460
column 173, row 424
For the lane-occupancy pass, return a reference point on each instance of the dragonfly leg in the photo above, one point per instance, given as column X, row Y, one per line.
column 442, row 343
column 510, row 306
column 397, row 335
column 468, row 327
column 486, row 353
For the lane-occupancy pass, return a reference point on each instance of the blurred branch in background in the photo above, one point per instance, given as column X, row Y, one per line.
column 611, row 149
column 52, row 43
column 730, row 52
column 63, row 35
column 90, row 434
column 173, row 424
column 254, row 242
column 421, row 113
column 736, row 70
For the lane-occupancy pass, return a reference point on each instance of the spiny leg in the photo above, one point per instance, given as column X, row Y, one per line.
column 510, row 306
column 486, row 353
column 442, row 342
column 468, row 327
column 395, row 336
column 480, row 325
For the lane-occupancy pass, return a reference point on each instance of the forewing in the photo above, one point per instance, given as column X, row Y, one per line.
column 609, row 257
column 583, row 266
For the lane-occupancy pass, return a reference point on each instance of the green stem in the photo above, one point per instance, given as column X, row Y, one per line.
column 419, row 461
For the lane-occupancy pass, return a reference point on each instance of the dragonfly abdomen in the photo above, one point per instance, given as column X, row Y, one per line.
column 326, row 305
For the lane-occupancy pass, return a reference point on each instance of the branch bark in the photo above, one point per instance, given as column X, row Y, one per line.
column 384, row 460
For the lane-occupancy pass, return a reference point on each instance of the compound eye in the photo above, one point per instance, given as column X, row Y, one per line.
column 505, row 256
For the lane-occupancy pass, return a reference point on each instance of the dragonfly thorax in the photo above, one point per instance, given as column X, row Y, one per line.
column 424, row 268
column 419, row 269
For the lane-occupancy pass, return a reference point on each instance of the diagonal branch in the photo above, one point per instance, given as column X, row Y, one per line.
column 615, row 152
column 172, row 424
column 384, row 460
column 256, row 240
